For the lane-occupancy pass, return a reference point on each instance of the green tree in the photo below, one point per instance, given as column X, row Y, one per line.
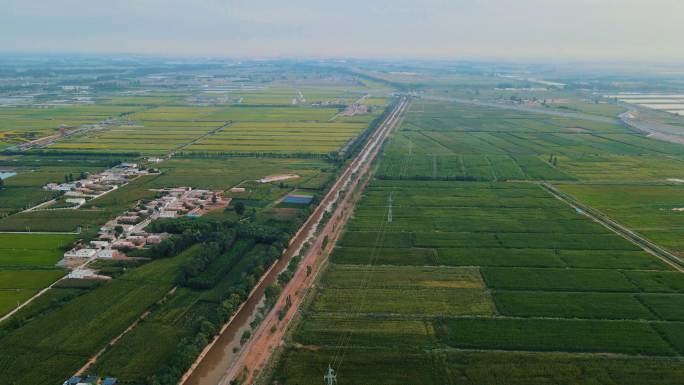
column 239, row 208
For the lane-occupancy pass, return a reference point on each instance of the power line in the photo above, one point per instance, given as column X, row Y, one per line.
column 345, row 338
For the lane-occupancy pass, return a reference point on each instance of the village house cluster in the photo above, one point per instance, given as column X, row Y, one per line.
column 127, row 231
column 91, row 186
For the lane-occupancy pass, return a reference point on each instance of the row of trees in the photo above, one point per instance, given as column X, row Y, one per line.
column 70, row 176
column 214, row 254
column 213, row 259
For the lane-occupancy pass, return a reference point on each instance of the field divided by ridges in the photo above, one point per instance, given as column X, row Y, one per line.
column 549, row 281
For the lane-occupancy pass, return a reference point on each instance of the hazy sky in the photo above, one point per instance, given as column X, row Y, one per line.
column 457, row 29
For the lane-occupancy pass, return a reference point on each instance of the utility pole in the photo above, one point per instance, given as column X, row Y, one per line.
column 330, row 378
column 389, row 212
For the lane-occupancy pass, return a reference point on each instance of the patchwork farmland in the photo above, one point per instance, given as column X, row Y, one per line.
column 490, row 267
column 314, row 137
column 264, row 150
column 21, row 125
column 250, row 126
column 465, row 260
column 451, row 141
column 27, row 265
column 457, row 267
column 652, row 210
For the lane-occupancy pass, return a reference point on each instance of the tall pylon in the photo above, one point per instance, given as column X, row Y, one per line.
column 389, row 212
column 330, row 378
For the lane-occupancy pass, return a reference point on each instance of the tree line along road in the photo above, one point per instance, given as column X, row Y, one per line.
column 218, row 364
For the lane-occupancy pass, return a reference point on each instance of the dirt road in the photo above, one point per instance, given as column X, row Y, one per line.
column 339, row 202
column 43, row 291
column 269, row 335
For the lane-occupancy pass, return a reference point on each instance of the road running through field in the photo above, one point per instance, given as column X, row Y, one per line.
column 43, row 291
column 220, row 364
column 269, row 335
column 619, row 229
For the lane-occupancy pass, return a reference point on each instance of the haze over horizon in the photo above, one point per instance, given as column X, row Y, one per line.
column 433, row 29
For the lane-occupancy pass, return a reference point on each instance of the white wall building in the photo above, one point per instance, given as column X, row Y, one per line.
column 80, row 253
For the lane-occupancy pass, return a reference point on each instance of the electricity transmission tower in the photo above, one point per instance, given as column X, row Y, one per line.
column 330, row 378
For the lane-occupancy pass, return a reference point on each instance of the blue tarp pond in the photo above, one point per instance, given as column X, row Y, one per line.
column 7, row 174
column 298, row 199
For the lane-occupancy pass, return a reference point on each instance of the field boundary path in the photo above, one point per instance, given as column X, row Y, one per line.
column 93, row 359
column 81, row 129
column 199, row 138
column 268, row 336
column 617, row 228
column 43, row 291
